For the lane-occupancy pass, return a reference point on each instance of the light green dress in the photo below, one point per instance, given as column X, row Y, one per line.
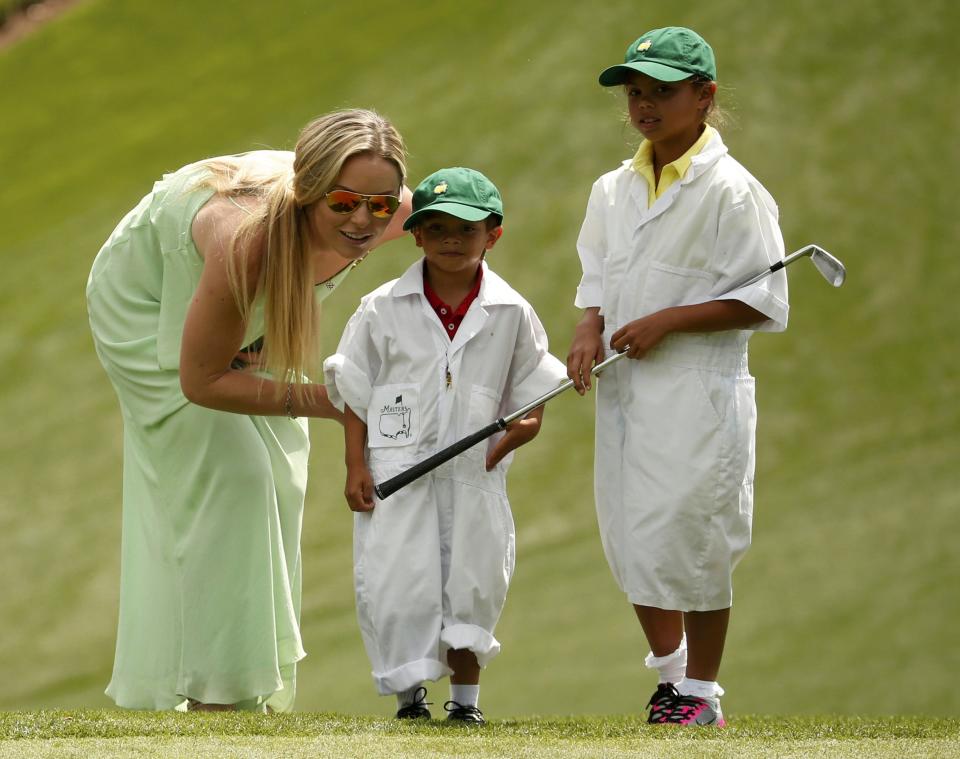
column 212, row 501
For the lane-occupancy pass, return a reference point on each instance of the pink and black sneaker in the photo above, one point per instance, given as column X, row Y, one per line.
column 660, row 703
column 693, row 710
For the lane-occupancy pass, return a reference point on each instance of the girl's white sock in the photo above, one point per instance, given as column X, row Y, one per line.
column 408, row 696
column 671, row 667
column 465, row 695
column 708, row 689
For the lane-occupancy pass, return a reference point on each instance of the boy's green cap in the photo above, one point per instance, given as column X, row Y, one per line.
column 669, row 55
column 464, row 193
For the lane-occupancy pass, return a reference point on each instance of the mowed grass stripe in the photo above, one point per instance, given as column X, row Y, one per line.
column 419, row 747
column 121, row 734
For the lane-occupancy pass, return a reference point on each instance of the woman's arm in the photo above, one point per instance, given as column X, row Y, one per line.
column 213, row 333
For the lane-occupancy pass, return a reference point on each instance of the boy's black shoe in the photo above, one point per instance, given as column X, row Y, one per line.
column 466, row 713
column 417, row 709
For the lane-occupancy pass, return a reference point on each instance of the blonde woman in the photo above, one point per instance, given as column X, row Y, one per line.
column 204, row 308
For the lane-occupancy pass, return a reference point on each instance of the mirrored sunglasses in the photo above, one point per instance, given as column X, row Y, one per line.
column 344, row 201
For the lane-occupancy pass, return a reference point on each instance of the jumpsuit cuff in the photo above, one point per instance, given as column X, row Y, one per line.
column 347, row 384
column 406, row 676
column 589, row 295
column 768, row 304
column 546, row 376
column 656, row 662
column 476, row 639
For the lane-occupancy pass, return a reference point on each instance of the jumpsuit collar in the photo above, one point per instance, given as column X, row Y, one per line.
column 699, row 164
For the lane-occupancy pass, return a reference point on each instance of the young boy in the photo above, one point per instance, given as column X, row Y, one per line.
column 427, row 359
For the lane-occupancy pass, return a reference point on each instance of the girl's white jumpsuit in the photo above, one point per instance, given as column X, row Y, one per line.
column 675, row 430
column 433, row 561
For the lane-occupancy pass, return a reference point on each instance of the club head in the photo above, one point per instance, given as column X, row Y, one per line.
column 832, row 270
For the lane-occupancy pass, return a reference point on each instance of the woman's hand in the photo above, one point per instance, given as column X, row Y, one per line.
column 519, row 432
column 316, row 403
column 359, row 488
column 586, row 350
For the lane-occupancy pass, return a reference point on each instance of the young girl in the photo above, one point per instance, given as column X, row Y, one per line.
column 665, row 234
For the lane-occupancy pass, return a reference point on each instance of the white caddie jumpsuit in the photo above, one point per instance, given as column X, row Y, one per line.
column 675, row 431
column 433, row 561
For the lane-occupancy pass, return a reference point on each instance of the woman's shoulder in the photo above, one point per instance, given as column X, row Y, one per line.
column 217, row 222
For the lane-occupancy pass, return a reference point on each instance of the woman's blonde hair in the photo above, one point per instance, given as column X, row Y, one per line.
column 291, row 340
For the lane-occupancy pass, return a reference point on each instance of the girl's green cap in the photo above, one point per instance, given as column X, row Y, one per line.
column 669, row 55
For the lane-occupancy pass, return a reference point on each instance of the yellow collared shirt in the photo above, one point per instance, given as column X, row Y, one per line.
column 672, row 172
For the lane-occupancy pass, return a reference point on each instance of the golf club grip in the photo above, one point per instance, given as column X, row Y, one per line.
column 391, row 486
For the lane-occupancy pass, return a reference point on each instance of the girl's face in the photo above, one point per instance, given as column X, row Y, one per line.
column 351, row 235
column 669, row 113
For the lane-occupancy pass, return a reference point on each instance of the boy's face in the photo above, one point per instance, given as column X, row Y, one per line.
column 454, row 245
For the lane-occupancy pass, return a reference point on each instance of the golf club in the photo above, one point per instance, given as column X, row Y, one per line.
column 829, row 267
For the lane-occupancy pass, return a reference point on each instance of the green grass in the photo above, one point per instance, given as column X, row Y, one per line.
column 119, row 734
column 847, row 602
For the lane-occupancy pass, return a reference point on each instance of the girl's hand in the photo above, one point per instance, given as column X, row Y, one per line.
column 519, row 432
column 642, row 335
column 359, row 488
column 586, row 350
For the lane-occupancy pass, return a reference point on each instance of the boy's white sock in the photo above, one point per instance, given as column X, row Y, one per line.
column 465, row 695
column 671, row 667
column 408, row 696
column 706, row 689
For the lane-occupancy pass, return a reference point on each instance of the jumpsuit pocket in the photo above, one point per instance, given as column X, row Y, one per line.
column 484, row 404
column 483, row 408
column 668, row 286
column 393, row 416
column 470, row 466
column 745, row 410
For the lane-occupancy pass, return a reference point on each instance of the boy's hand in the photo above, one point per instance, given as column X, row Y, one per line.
column 518, row 432
column 359, row 489
column 586, row 350
column 642, row 335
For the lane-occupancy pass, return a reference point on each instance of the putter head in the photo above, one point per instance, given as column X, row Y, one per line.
column 832, row 270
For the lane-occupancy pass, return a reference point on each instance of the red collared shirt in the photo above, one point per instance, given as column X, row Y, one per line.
column 449, row 317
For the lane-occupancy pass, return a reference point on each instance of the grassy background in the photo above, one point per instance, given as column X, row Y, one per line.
column 91, row 734
column 846, row 111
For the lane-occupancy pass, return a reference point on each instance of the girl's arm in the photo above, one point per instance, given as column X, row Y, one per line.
column 213, row 333
column 359, row 487
column 586, row 349
column 642, row 335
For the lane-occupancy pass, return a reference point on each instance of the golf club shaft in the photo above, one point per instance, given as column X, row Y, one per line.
column 384, row 489
column 388, row 487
